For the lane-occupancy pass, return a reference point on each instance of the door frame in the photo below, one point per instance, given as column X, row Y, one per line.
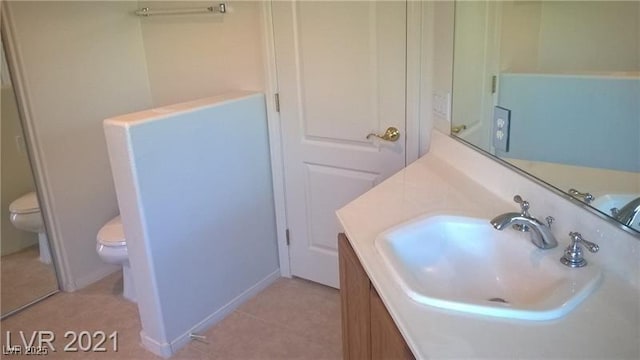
column 414, row 115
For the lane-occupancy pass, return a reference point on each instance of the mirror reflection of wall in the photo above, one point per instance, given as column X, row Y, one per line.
column 570, row 37
column 553, row 87
column 25, row 261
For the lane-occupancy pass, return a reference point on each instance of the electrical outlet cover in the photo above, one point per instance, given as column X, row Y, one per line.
column 442, row 105
column 501, row 125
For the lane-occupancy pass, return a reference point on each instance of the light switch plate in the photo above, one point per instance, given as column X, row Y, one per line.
column 501, row 126
column 442, row 105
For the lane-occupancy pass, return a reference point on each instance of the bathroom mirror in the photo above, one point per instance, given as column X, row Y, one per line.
column 553, row 89
column 26, row 264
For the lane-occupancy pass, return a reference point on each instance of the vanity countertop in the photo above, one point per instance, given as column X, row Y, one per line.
column 605, row 325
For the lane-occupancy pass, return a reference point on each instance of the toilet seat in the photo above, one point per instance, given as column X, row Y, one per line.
column 25, row 204
column 112, row 233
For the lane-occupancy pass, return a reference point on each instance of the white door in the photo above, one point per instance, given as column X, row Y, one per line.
column 341, row 75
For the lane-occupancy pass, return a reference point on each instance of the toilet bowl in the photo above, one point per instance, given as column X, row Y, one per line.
column 25, row 215
column 112, row 249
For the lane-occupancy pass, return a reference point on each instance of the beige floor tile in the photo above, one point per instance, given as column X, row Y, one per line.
column 304, row 307
column 190, row 353
column 92, row 309
column 242, row 336
column 292, row 319
column 110, row 285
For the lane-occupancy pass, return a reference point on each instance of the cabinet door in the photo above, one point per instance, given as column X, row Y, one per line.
column 354, row 294
column 386, row 341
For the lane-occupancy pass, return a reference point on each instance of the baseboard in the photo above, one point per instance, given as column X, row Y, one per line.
column 218, row 315
column 90, row 278
column 160, row 349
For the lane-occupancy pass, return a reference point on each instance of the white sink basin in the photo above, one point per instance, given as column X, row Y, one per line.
column 464, row 264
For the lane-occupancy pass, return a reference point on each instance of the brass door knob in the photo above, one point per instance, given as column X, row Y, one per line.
column 457, row 129
column 392, row 134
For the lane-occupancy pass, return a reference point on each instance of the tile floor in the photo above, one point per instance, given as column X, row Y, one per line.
column 291, row 319
column 24, row 279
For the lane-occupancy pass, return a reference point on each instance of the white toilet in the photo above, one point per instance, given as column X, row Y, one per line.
column 26, row 215
column 112, row 249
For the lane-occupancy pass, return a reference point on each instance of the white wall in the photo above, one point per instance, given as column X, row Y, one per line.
column 437, row 65
column 194, row 56
column 561, row 36
column 519, row 35
column 596, row 181
column 80, row 62
column 603, row 36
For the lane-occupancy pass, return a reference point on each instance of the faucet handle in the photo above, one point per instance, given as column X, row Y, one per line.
column 550, row 220
column 576, row 237
column 573, row 253
column 524, row 205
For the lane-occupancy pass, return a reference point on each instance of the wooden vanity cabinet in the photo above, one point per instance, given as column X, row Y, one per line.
column 368, row 331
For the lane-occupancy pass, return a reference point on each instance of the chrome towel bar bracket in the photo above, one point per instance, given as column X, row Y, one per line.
column 220, row 8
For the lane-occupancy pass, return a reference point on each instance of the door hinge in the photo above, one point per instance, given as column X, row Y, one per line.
column 277, row 99
column 494, row 84
column 286, row 233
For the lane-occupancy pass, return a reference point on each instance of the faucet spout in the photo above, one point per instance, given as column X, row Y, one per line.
column 503, row 221
column 629, row 213
column 541, row 235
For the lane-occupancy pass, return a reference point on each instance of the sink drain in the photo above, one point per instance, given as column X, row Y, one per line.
column 500, row 300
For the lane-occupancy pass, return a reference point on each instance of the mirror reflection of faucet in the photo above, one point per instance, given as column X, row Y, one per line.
column 628, row 214
column 583, row 196
column 541, row 235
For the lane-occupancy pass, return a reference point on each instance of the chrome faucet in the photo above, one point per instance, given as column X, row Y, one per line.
column 629, row 213
column 541, row 235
